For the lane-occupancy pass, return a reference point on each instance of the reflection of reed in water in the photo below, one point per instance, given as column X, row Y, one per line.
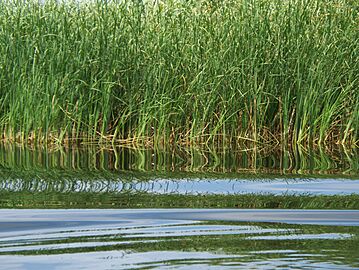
column 187, row 186
column 124, row 239
column 63, row 186
column 91, row 186
column 189, row 160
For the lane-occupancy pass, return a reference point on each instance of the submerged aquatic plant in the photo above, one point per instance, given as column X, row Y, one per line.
column 188, row 72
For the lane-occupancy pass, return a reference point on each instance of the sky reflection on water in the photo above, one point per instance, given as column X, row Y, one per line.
column 175, row 239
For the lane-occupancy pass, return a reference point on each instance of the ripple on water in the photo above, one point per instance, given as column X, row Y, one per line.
column 171, row 238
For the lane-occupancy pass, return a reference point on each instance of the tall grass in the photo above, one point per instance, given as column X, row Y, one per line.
column 188, row 72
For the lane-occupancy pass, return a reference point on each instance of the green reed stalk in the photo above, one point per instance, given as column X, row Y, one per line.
column 189, row 72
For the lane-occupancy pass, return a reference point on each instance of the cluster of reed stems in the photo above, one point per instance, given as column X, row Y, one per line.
column 269, row 72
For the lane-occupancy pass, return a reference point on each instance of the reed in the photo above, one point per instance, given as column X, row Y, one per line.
column 180, row 72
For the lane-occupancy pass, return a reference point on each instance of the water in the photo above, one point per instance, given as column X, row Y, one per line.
column 178, row 238
column 131, row 209
column 183, row 238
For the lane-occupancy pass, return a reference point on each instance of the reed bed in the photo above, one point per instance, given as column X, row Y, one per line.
column 268, row 72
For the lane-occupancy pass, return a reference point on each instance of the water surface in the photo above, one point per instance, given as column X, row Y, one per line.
column 130, row 209
column 178, row 238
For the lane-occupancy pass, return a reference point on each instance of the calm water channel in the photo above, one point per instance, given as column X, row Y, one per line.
column 178, row 209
